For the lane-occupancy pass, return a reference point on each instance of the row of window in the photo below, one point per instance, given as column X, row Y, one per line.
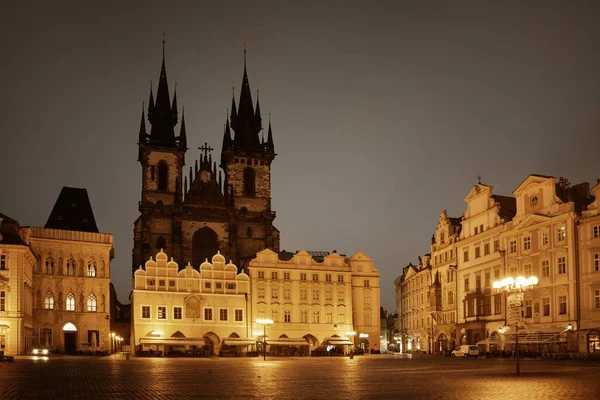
column 486, row 250
column 207, row 285
column 161, row 313
column 92, row 302
column 316, row 294
column 445, row 256
column 3, row 263
column 2, row 301
column 303, row 276
column 70, row 269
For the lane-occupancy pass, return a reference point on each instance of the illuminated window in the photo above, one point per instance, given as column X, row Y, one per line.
column 161, row 312
column 49, row 266
column 71, row 267
column 177, row 313
column 70, row 302
column 562, row 305
column 145, row 312
column 545, row 238
column 91, row 303
column 527, row 243
column 562, row 265
column 223, row 315
column 561, row 234
column 546, row 306
column 545, row 268
column 49, row 301
column 91, row 269
column 239, row 315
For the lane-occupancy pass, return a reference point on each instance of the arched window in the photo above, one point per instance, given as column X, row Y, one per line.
column 163, row 175
column 91, row 303
column 49, row 265
column 91, row 269
column 49, row 301
column 161, row 243
column 70, row 302
column 71, row 267
column 249, row 181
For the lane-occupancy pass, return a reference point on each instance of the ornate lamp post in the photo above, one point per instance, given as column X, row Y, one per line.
column 264, row 322
column 514, row 288
column 112, row 342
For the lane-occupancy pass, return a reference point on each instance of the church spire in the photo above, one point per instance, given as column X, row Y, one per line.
column 270, row 146
column 174, row 106
column 162, row 117
column 257, row 117
column 244, row 126
column 151, row 103
column 182, row 133
column 233, row 107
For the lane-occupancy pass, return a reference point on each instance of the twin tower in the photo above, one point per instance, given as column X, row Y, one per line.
column 191, row 213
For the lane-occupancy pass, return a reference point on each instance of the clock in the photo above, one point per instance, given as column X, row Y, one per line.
column 205, row 176
column 534, row 201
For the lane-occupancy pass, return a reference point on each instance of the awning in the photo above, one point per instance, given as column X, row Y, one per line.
column 339, row 341
column 288, row 342
column 172, row 341
column 530, row 336
column 239, row 342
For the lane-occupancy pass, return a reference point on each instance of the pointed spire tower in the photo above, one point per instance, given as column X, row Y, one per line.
column 160, row 113
column 270, row 146
column 244, row 124
column 182, row 134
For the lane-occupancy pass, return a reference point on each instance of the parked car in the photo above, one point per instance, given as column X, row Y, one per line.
column 466, row 351
column 40, row 351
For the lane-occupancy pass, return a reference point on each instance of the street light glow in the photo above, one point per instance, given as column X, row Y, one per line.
column 264, row 321
column 516, row 283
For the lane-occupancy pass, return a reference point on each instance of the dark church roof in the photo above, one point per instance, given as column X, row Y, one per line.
column 72, row 212
column 9, row 231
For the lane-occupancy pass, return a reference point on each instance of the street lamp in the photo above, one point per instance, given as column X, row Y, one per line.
column 112, row 342
column 515, row 288
column 264, row 322
column 351, row 335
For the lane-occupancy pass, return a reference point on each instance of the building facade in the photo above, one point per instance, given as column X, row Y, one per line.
column 550, row 229
column 416, row 321
column 317, row 302
column 177, row 310
column 16, row 288
column 71, row 279
column 226, row 208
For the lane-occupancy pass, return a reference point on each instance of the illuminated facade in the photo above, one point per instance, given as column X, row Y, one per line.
column 180, row 310
column 16, row 288
column 316, row 302
column 71, row 279
column 549, row 229
column 416, row 321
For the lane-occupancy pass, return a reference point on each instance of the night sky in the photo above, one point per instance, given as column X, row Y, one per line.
column 382, row 115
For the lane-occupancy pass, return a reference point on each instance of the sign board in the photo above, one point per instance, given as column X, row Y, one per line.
column 515, row 300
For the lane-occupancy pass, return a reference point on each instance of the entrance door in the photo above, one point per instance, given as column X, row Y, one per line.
column 70, row 342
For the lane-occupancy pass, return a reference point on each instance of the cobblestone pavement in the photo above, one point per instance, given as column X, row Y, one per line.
column 364, row 377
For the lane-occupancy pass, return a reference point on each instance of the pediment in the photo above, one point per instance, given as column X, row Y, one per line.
column 532, row 220
column 532, row 181
column 479, row 189
column 359, row 255
column 411, row 272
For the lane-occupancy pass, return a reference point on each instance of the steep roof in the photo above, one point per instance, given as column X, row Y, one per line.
column 508, row 206
column 72, row 212
column 9, row 231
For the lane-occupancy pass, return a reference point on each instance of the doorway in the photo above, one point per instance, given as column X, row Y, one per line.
column 70, row 335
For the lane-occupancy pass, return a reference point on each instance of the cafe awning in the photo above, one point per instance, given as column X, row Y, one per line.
column 239, row 342
column 172, row 341
column 339, row 341
column 530, row 336
column 287, row 342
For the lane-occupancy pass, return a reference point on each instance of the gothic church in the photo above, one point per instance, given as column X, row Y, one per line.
column 225, row 207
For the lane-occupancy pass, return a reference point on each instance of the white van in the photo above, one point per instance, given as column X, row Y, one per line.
column 466, row 351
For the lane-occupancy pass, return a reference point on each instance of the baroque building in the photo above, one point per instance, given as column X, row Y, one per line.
column 225, row 207
column 550, row 229
column 416, row 321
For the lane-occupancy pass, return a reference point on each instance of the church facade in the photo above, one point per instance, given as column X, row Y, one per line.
column 224, row 207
